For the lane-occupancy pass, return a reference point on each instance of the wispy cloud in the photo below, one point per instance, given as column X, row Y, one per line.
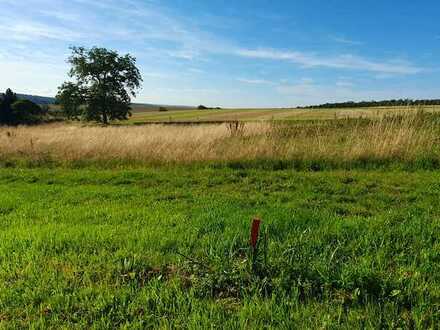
column 346, row 61
column 149, row 21
column 185, row 53
column 142, row 23
column 255, row 81
column 158, row 75
column 344, row 83
column 61, row 15
column 306, row 93
column 346, row 41
column 177, row 49
column 196, row 70
column 30, row 31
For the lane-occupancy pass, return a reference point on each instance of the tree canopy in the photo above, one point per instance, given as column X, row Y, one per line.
column 6, row 101
column 26, row 111
column 102, row 87
column 15, row 111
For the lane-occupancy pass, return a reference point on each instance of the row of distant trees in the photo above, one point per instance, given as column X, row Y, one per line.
column 14, row 111
column 386, row 103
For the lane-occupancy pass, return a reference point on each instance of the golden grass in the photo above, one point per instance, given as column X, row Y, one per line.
column 405, row 138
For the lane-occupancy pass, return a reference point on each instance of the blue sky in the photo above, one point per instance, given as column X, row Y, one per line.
column 242, row 53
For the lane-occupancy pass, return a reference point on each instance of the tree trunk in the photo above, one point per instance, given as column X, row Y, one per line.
column 104, row 117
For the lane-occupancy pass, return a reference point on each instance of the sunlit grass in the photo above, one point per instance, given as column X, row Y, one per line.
column 148, row 226
column 402, row 139
column 140, row 116
column 168, row 248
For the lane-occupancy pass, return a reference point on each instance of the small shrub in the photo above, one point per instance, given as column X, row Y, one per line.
column 26, row 112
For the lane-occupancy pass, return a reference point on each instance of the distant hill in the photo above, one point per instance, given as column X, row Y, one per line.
column 42, row 100
column 137, row 107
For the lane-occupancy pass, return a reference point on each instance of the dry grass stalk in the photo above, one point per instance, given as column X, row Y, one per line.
column 399, row 137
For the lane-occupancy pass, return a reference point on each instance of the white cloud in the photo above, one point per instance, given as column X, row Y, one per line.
column 344, row 83
column 307, row 93
column 159, row 75
column 255, row 81
column 186, row 54
column 61, row 15
column 163, row 40
column 195, row 70
column 346, row 61
column 142, row 23
column 343, row 40
column 30, row 31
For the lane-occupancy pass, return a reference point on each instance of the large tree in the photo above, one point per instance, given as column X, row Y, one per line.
column 102, row 87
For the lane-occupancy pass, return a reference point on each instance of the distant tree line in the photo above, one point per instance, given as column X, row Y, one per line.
column 202, row 107
column 15, row 111
column 386, row 103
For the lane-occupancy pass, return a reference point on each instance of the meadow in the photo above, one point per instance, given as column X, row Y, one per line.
column 148, row 226
column 142, row 114
column 410, row 139
column 168, row 247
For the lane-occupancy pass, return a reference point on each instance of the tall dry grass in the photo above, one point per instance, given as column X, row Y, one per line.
column 403, row 138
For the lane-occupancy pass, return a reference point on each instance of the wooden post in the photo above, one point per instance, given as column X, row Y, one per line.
column 255, row 231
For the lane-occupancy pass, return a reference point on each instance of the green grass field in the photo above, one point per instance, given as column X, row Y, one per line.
column 146, row 115
column 168, row 247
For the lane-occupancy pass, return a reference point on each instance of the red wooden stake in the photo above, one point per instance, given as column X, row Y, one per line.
column 255, row 230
